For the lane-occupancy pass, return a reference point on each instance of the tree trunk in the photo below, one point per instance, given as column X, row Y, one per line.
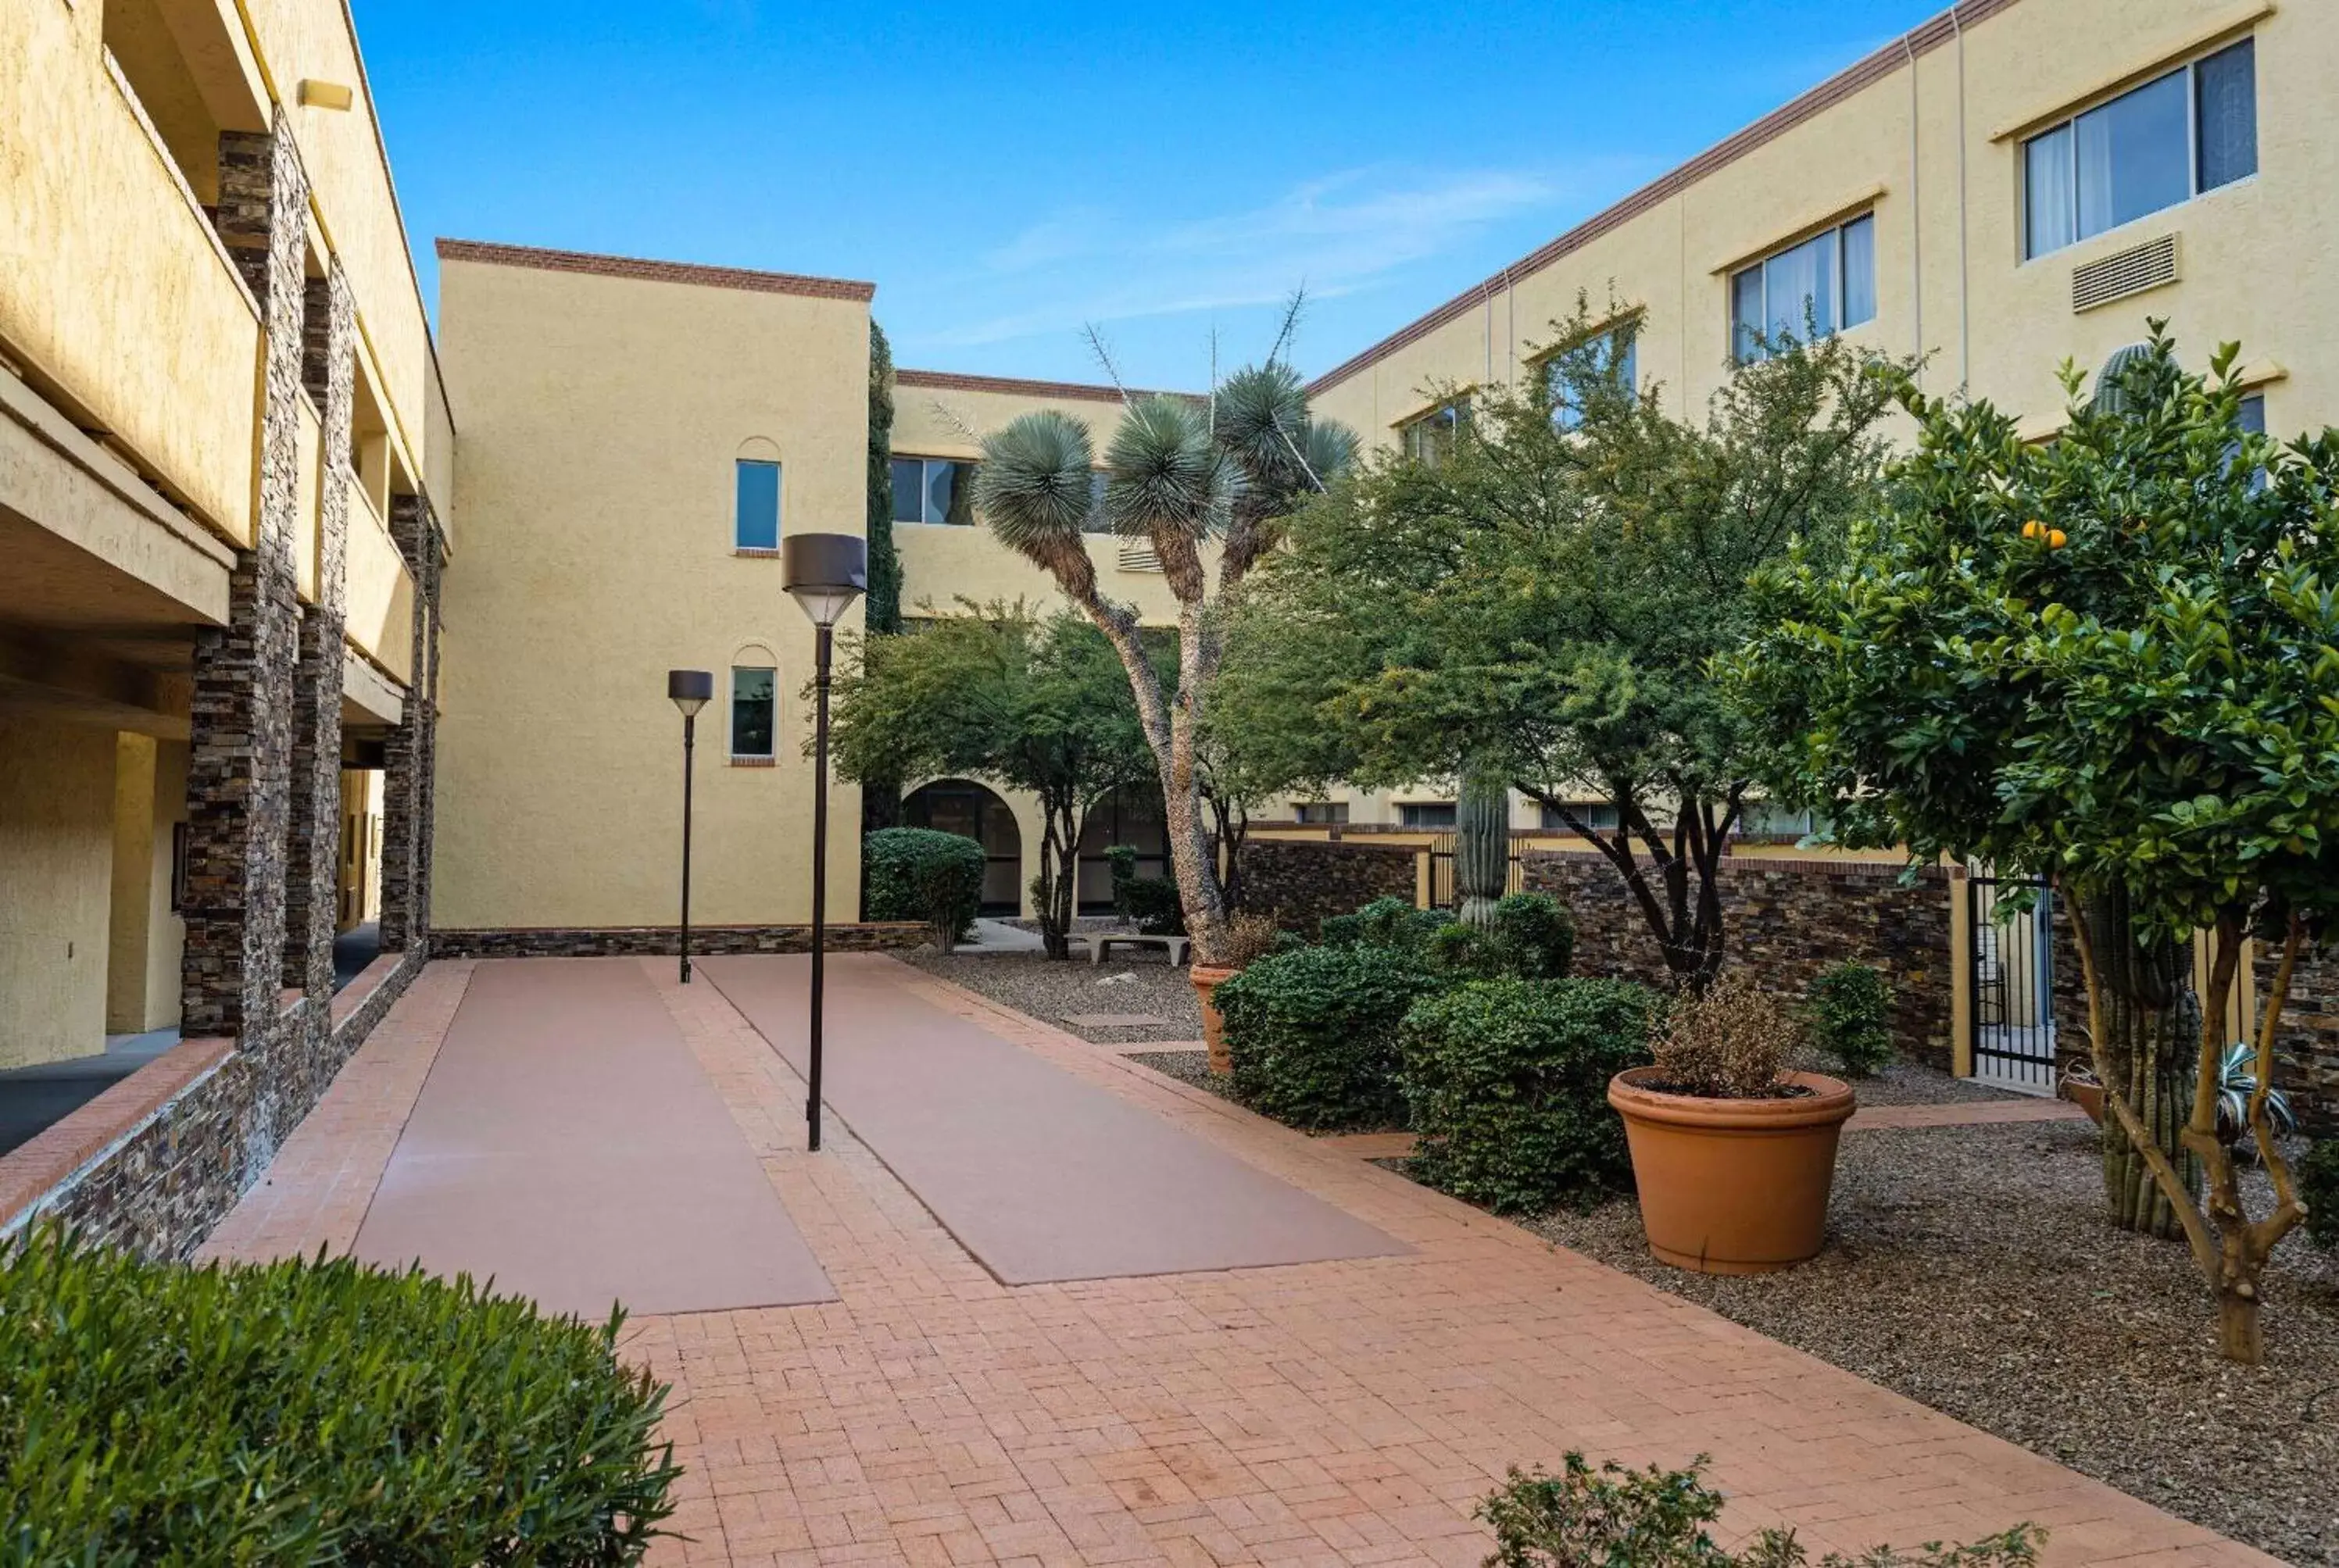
column 1482, row 847
column 2150, row 1025
column 1054, row 891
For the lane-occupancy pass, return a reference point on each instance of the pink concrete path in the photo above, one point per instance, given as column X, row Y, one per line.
column 1041, row 1174
column 1340, row 1413
column 566, row 1144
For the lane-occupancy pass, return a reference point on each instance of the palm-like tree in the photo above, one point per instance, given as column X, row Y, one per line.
column 1179, row 473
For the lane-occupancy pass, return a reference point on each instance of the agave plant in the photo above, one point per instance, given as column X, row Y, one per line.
column 2237, row 1080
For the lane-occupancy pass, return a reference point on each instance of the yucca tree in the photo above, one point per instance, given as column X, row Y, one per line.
column 1180, row 473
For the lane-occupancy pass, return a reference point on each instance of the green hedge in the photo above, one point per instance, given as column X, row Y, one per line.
column 1532, row 937
column 1149, row 902
column 1313, row 1033
column 1388, row 921
column 307, row 1412
column 918, row 873
column 2318, row 1188
column 1850, row 1011
column 1507, row 1081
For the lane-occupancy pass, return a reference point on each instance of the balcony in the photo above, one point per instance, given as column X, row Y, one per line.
column 379, row 595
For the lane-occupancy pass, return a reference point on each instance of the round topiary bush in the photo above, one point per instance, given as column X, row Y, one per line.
column 1507, row 1081
column 1850, row 1011
column 1313, row 1033
column 918, row 873
column 312, row 1412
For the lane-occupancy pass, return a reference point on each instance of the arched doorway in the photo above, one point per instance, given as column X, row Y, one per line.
column 1132, row 815
column 971, row 811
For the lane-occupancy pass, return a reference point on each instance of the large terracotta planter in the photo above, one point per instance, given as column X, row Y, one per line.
column 1207, row 978
column 1732, row 1186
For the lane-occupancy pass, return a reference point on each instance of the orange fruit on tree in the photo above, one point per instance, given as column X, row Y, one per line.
column 2057, row 539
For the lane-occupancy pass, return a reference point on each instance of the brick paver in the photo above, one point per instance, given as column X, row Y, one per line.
column 1332, row 1414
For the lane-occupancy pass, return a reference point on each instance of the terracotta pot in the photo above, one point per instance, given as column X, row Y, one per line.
column 1732, row 1186
column 1207, row 978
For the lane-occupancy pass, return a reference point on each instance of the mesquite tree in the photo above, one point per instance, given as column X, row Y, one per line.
column 1180, row 474
column 2111, row 662
column 1542, row 601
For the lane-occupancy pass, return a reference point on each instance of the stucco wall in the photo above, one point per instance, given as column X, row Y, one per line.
column 144, row 935
column 602, row 415
column 1950, row 280
column 57, row 856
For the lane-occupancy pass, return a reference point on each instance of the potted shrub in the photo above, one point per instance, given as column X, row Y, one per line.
column 1732, row 1154
column 1248, row 937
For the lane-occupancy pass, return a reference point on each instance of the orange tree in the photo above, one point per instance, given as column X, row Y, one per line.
column 2111, row 661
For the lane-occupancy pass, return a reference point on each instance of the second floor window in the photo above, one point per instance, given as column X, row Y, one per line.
column 2191, row 130
column 755, row 703
column 755, row 516
column 1425, row 814
column 1428, row 437
column 1322, row 811
column 1821, row 286
column 934, row 490
column 1612, row 353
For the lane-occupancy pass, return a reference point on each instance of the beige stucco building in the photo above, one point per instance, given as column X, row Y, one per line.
column 232, row 723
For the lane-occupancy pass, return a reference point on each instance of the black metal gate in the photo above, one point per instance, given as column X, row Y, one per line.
column 1443, row 892
column 2011, row 965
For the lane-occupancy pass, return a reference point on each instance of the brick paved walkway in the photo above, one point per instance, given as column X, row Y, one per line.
column 1333, row 1413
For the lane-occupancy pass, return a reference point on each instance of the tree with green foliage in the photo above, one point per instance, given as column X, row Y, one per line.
column 883, row 611
column 2112, row 662
column 1544, row 601
column 1180, row 474
column 997, row 694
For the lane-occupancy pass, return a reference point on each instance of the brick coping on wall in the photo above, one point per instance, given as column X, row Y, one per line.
column 1017, row 386
column 664, row 941
column 79, row 1142
column 654, row 272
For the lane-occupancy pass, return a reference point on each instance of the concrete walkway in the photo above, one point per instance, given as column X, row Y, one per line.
column 1342, row 1412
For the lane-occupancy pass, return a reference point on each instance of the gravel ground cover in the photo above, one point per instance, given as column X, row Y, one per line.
column 1967, row 1268
column 1048, row 989
column 1908, row 1084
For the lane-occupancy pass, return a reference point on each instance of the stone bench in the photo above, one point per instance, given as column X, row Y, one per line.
column 1100, row 943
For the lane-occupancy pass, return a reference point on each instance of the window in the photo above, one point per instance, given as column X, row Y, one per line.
column 1096, row 521
column 1321, row 811
column 2190, row 131
column 2252, row 415
column 934, row 490
column 1428, row 437
column 1613, row 352
column 1823, row 285
column 755, row 516
column 754, row 711
column 1425, row 813
column 1600, row 816
column 1762, row 818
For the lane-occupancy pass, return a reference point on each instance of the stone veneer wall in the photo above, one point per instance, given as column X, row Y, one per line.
column 1299, row 883
column 659, row 940
column 1787, row 919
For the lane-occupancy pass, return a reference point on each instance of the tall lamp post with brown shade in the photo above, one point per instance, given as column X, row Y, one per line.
column 690, row 690
column 825, row 573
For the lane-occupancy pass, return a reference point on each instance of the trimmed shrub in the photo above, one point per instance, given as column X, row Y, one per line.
column 2318, row 1188
column 1150, row 903
column 1849, row 1011
column 1657, row 1518
column 1532, row 937
column 920, row 873
column 1387, row 922
column 1313, row 1033
column 312, row 1412
column 1507, row 1081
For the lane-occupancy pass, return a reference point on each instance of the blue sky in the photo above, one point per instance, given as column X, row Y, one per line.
column 1007, row 173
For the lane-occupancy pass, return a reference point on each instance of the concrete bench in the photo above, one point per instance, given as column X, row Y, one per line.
column 1101, row 944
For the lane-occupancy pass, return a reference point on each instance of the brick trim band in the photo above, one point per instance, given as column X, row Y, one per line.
column 952, row 381
column 499, row 255
column 660, row 941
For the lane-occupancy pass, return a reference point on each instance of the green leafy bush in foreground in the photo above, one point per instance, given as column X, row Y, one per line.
column 1849, row 1011
column 1532, row 937
column 2318, row 1186
column 309, row 1413
column 1387, row 922
column 1507, row 1081
column 1656, row 1518
column 921, row 873
column 1313, row 1033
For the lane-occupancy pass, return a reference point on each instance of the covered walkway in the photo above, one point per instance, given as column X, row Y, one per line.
column 1347, row 1410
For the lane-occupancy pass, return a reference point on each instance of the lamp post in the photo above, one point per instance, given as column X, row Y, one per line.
column 690, row 691
column 825, row 573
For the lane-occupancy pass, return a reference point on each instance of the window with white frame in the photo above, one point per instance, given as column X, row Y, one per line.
column 1823, row 285
column 934, row 490
column 754, row 710
column 1427, row 438
column 756, row 512
column 1611, row 352
column 2186, row 131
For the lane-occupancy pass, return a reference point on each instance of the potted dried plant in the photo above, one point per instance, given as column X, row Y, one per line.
column 1733, row 1155
column 1248, row 937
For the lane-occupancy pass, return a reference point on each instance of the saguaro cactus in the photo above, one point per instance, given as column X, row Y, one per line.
column 1482, row 846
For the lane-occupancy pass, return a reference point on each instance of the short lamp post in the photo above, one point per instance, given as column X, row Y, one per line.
column 691, row 691
column 825, row 573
